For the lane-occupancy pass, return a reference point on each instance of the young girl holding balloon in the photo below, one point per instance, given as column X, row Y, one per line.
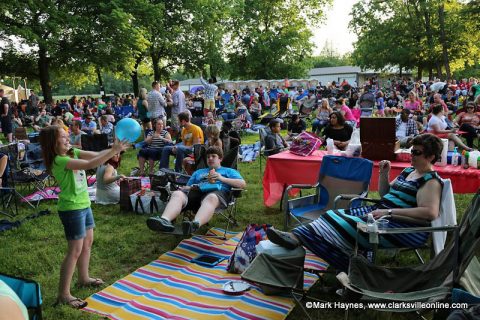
column 68, row 166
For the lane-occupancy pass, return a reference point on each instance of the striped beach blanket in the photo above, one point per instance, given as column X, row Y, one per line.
column 172, row 287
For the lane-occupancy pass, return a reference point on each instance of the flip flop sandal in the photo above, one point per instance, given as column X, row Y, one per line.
column 97, row 282
column 69, row 303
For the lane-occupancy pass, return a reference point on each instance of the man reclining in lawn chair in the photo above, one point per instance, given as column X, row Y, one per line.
column 207, row 190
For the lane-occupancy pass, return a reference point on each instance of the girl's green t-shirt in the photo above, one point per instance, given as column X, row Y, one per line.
column 73, row 184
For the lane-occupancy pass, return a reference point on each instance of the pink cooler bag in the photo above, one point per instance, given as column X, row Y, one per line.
column 304, row 144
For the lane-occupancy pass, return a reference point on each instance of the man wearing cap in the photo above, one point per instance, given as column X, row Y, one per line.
column 6, row 117
column 210, row 90
column 88, row 125
column 156, row 103
column 274, row 143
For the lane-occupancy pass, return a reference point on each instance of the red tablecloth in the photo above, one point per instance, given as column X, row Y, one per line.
column 286, row 168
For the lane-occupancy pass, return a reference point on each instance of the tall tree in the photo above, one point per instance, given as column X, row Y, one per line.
column 271, row 39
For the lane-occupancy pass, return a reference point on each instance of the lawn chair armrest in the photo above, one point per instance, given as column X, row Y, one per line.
column 237, row 192
column 301, row 186
column 365, row 199
column 362, row 227
column 346, row 197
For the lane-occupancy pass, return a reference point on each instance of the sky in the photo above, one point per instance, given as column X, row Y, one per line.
column 335, row 28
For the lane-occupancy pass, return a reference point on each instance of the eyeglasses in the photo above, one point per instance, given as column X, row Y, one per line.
column 416, row 152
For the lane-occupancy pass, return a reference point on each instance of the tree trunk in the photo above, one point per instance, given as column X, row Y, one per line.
column 430, row 73
column 134, row 76
column 419, row 71
column 428, row 32
column 44, row 73
column 400, row 71
column 156, row 67
column 100, row 80
column 443, row 40
column 439, row 70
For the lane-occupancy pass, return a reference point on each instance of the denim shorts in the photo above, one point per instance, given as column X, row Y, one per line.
column 76, row 223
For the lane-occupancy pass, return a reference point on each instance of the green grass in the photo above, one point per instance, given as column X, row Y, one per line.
column 123, row 243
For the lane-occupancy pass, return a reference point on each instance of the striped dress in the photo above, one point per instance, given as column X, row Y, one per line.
column 332, row 236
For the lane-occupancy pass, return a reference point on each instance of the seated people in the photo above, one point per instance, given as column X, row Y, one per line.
column 155, row 142
column 88, row 125
column 229, row 110
column 191, row 196
column 42, row 120
column 405, row 128
column 255, row 109
column 11, row 305
column 295, row 127
column 338, row 131
column 108, row 190
column 274, row 142
column 469, row 122
column 345, row 111
column 308, row 103
column 76, row 134
column 213, row 140
column 213, row 137
column 439, row 127
column 3, row 170
column 415, row 193
column 106, row 127
column 191, row 134
column 322, row 117
column 228, row 136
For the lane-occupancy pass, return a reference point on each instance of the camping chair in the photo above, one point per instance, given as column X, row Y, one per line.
column 340, row 179
column 28, row 291
column 94, row 142
column 262, row 132
column 175, row 180
column 447, row 217
column 431, row 282
column 21, row 179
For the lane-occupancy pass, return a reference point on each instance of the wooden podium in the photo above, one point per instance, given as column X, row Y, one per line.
column 377, row 136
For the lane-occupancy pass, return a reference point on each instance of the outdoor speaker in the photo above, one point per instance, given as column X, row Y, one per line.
column 377, row 136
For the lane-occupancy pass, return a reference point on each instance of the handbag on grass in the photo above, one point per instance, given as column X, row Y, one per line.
column 147, row 202
column 305, row 144
column 246, row 251
column 127, row 188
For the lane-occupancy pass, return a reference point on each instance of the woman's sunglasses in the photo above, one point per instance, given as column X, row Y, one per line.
column 416, row 152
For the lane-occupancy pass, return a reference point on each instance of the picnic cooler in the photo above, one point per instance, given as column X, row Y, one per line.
column 147, row 202
column 377, row 136
column 127, row 188
column 305, row 144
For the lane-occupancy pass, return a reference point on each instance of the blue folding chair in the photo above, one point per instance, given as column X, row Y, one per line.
column 28, row 291
column 340, row 180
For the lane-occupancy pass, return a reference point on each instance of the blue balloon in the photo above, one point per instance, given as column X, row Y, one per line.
column 128, row 129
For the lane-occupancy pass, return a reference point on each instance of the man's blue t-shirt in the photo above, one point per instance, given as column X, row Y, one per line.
column 201, row 176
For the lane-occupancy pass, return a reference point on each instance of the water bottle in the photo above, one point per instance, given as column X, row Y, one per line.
column 465, row 155
column 455, row 157
column 372, row 229
column 330, row 146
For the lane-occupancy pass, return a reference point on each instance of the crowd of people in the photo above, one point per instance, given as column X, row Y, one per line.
column 174, row 122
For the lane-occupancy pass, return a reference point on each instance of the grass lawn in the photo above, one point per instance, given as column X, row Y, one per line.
column 123, row 243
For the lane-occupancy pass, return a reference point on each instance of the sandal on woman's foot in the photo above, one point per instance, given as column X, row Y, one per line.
column 75, row 303
column 94, row 282
column 283, row 239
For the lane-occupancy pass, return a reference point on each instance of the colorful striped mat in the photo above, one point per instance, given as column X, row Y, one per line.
column 172, row 287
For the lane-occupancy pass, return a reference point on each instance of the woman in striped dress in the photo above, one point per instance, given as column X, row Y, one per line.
column 415, row 193
column 155, row 141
